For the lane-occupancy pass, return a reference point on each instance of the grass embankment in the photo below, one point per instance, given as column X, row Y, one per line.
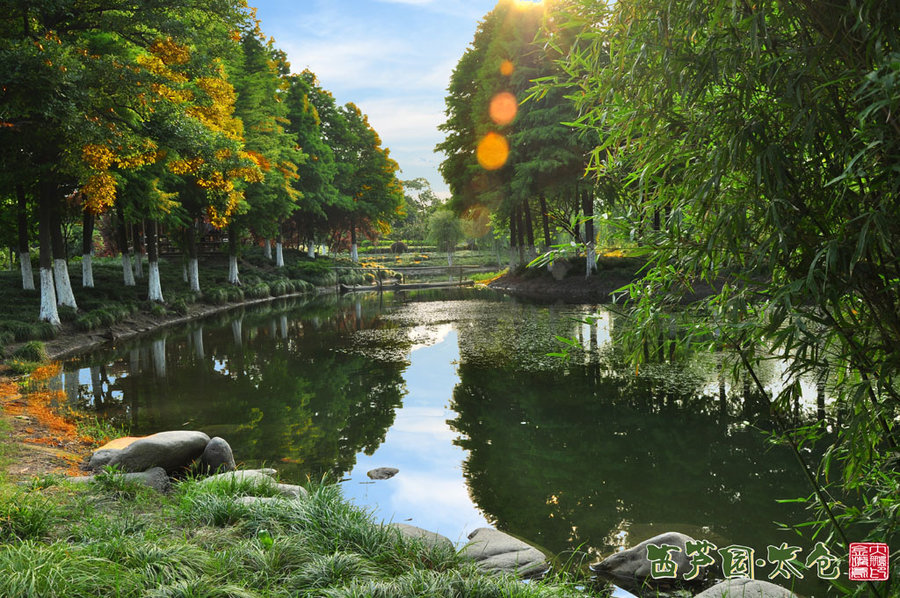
column 116, row 539
column 110, row 302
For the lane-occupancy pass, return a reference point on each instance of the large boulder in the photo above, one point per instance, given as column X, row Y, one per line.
column 496, row 552
column 423, row 535
column 173, row 451
column 217, row 457
column 632, row 567
column 746, row 588
column 155, row 478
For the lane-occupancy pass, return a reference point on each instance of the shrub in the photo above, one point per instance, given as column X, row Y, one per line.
column 157, row 309
column 179, row 306
column 33, row 351
column 66, row 313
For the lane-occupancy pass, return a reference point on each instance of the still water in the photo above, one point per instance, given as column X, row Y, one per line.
column 455, row 389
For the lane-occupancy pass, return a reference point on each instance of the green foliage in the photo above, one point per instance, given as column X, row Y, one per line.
column 25, row 516
column 34, row 351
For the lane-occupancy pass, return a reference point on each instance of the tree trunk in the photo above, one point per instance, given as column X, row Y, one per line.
column 127, row 272
column 46, row 196
column 279, row 251
column 87, row 250
column 64, row 294
column 354, row 250
column 138, row 250
column 193, row 263
column 545, row 220
column 24, row 251
column 232, row 257
column 311, row 249
column 512, row 241
column 197, row 339
column 520, row 235
column 158, row 355
column 529, row 231
column 268, row 249
column 154, row 286
column 587, row 205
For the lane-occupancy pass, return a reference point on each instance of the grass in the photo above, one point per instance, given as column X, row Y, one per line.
column 89, row 540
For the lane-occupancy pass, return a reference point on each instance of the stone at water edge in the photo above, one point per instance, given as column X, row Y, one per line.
column 155, row 478
column 633, row 564
column 101, row 458
column 496, row 552
column 746, row 588
column 423, row 535
column 257, row 477
column 382, row 473
column 173, row 451
column 217, row 457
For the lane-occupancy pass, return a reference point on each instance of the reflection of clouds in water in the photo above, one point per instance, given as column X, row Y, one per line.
column 436, row 503
column 426, row 336
column 414, row 423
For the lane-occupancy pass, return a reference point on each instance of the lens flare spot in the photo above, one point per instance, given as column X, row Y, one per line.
column 503, row 108
column 507, row 68
column 493, row 151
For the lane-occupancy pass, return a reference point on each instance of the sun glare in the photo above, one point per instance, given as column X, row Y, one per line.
column 503, row 108
column 493, row 150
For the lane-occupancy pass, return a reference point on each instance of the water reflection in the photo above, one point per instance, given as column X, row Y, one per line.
column 457, row 391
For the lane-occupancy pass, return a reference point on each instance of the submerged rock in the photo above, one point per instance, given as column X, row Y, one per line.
column 382, row 473
column 746, row 588
column 217, row 457
column 173, row 451
column 496, row 552
column 423, row 535
column 632, row 566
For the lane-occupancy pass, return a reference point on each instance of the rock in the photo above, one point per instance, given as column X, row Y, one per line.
column 217, row 457
column 632, row 565
column 423, row 535
column 120, row 443
column 382, row 473
column 172, row 451
column 101, row 458
column 746, row 588
column 155, row 478
column 292, row 491
column 494, row 551
column 257, row 500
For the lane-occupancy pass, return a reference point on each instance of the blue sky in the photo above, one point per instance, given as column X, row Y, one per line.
column 392, row 58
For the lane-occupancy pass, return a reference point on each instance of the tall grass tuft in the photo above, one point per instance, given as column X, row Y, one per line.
column 25, row 516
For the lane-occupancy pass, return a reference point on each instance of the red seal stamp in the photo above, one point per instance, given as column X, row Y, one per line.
column 869, row 561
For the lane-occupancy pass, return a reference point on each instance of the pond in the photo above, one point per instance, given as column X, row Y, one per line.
column 456, row 390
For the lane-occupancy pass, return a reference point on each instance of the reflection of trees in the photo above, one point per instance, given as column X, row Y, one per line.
column 571, row 457
column 277, row 388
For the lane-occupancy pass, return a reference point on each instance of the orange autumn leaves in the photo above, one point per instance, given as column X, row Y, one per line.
column 45, row 409
column 208, row 99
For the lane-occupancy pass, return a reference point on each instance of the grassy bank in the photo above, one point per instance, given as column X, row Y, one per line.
column 115, row 539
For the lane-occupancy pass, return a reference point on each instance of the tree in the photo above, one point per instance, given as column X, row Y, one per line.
column 445, row 231
column 761, row 132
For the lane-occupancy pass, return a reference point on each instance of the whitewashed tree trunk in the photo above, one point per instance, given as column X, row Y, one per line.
column 184, row 272
column 139, row 265
column 233, row 270
column 590, row 260
column 354, row 252
column 268, row 249
column 87, row 271
column 194, row 274
column 283, row 327
column 96, row 384
column 27, row 273
column 155, row 288
column 64, row 294
column 127, row 272
column 450, row 259
column 49, row 312
column 311, row 249
column 279, row 255
column 158, row 353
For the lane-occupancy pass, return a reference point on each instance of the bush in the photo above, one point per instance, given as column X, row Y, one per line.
column 157, row 309
column 33, row 351
column 179, row 306
column 87, row 322
column 66, row 313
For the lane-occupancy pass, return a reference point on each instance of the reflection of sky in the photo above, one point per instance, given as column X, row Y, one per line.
column 430, row 491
